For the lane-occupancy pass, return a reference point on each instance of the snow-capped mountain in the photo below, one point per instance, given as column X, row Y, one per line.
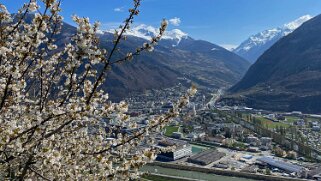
column 147, row 32
column 287, row 77
column 252, row 48
column 177, row 58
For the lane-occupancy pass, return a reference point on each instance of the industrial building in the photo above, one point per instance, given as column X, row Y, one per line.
column 286, row 167
column 182, row 149
column 206, row 157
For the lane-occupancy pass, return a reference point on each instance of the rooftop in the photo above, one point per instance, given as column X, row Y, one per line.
column 282, row 165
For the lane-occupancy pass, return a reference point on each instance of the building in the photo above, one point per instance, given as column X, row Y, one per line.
column 220, row 165
column 177, row 135
column 247, row 157
column 253, row 141
column 270, row 116
column 316, row 128
column 200, row 134
column 182, row 149
column 266, row 142
column 206, row 157
column 300, row 122
column 286, row 167
column 314, row 124
column 253, row 149
column 168, row 106
column 191, row 136
column 280, row 117
column 315, row 174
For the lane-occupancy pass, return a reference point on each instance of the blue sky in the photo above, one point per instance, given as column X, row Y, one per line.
column 224, row 22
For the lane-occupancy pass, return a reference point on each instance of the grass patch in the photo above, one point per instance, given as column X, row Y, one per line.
column 169, row 130
column 291, row 119
column 239, row 145
column 312, row 119
column 274, row 125
column 270, row 124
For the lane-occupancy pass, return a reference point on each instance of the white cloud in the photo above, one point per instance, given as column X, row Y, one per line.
column 120, row 9
column 175, row 21
column 229, row 47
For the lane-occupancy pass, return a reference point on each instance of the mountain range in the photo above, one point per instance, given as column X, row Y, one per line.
column 252, row 48
column 147, row 32
column 287, row 76
column 177, row 58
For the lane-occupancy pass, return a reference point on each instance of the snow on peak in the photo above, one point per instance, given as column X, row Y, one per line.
column 147, row 32
column 142, row 31
column 298, row 22
column 274, row 34
column 175, row 34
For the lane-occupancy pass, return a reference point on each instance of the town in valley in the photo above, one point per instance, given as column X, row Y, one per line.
column 232, row 139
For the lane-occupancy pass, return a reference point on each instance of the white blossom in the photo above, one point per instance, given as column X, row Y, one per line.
column 33, row 6
column 55, row 121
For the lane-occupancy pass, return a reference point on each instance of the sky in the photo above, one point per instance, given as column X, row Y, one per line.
column 223, row 22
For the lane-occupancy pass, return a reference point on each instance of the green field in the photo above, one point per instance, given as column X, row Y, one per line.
column 270, row 124
column 169, row 130
column 291, row 119
column 312, row 119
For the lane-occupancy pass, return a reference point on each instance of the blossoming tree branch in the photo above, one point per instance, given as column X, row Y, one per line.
column 53, row 111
